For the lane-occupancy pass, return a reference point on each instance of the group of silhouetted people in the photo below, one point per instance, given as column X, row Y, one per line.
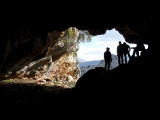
column 123, row 50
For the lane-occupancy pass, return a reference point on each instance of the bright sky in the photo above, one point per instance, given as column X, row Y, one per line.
column 95, row 49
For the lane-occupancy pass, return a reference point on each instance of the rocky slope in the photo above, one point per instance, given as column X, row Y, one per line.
column 55, row 60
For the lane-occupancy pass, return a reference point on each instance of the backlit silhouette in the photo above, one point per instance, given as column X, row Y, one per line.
column 120, row 53
column 126, row 50
column 107, row 58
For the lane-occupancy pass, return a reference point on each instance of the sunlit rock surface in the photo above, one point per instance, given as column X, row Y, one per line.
column 56, row 60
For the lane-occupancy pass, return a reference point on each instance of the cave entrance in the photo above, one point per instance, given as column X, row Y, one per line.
column 91, row 54
column 94, row 49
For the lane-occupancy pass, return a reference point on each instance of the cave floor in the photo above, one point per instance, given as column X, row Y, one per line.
column 17, row 93
column 62, row 84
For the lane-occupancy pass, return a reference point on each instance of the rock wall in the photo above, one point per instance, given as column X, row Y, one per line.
column 56, row 60
column 25, row 43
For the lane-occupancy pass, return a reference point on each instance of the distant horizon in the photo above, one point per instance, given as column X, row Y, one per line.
column 82, row 60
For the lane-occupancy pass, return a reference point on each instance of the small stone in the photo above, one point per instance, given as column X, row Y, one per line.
column 41, row 81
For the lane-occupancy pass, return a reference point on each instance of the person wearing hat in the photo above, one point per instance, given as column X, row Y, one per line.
column 107, row 58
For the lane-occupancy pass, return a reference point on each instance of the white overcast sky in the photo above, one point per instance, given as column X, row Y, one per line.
column 95, row 49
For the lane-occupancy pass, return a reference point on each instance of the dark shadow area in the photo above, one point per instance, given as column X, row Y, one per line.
column 33, row 96
column 129, row 86
column 128, row 90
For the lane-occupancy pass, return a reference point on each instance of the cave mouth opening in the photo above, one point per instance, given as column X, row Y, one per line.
column 91, row 51
column 40, row 90
column 94, row 49
column 91, row 54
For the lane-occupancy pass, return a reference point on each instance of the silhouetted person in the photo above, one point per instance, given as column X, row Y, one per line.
column 120, row 53
column 126, row 50
column 139, row 47
column 107, row 58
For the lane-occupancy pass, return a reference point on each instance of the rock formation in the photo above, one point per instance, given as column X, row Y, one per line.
column 24, row 44
column 54, row 59
column 97, row 91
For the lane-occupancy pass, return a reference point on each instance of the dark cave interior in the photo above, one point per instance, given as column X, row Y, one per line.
column 136, row 89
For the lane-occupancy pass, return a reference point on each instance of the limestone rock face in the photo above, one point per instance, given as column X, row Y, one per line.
column 58, row 61
column 64, row 69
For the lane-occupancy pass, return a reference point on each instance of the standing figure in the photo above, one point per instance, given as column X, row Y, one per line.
column 120, row 53
column 107, row 58
column 126, row 50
